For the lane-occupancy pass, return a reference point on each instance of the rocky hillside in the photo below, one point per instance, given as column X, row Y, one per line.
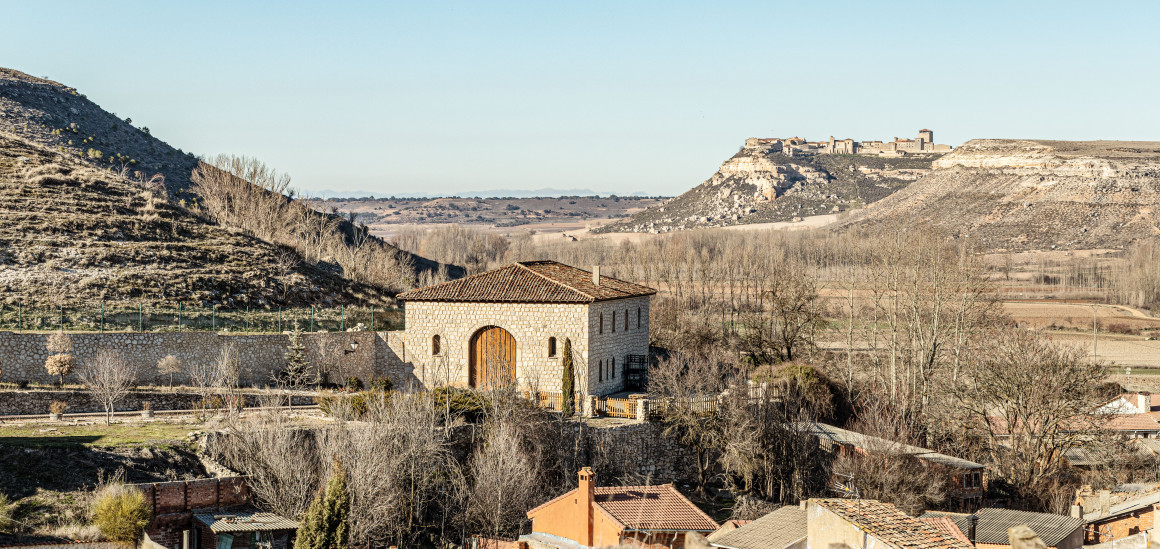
column 72, row 232
column 50, row 130
column 1032, row 194
column 757, row 186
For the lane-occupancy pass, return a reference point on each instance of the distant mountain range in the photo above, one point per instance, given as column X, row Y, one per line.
column 490, row 193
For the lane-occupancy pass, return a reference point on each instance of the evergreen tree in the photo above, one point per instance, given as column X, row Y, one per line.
column 568, row 390
column 297, row 372
column 324, row 526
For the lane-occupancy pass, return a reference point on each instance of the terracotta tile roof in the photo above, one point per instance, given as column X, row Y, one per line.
column 947, row 525
column 777, row 530
column 891, row 526
column 1131, row 422
column 653, row 508
column 529, row 282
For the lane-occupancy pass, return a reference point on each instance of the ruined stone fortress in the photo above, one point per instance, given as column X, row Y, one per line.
column 794, row 146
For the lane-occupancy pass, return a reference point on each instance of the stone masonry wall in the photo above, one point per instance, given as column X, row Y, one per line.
column 22, row 356
column 608, row 350
column 530, row 324
column 37, row 401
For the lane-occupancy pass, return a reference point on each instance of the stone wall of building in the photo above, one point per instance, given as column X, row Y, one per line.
column 609, row 346
column 338, row 355
column 531, row 325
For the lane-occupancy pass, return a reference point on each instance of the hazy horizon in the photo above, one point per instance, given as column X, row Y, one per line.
column 393, row 98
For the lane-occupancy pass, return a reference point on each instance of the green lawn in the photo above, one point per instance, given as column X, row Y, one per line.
column 152, row 434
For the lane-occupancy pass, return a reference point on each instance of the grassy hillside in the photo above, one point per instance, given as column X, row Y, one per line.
column 72, row 232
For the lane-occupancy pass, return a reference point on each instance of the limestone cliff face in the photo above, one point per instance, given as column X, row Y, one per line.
column 756, row 186
column 1029, row 194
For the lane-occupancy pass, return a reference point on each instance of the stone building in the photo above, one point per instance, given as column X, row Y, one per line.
column 792, row 146
column 510, row 325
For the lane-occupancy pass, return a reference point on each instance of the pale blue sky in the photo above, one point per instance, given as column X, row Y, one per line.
column 613, row 96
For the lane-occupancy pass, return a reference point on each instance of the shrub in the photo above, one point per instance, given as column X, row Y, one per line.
column 463, row 403
column 382, row 384
column 57, row 407
column 6, row 522
column 61, row 366
column 350, row 406
column 121, row 513
column 1120, row 328
column 354, row 383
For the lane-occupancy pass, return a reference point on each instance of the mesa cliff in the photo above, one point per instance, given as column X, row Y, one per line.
column 1034, row 194
column 758, row 185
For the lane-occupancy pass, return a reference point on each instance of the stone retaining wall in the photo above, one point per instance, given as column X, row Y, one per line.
column 36, row 402
column 338, row 355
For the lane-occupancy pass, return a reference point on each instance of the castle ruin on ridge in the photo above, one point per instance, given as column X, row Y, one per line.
column 794, row 146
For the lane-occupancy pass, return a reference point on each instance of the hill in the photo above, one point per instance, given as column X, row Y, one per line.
column 757, row 186
column 60, row 133
column 70, row 232
column 1035, row 194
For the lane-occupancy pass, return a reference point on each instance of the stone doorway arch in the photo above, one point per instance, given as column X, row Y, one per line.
column 492, row 358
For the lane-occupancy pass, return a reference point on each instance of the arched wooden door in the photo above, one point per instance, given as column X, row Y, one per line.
column 492, row 358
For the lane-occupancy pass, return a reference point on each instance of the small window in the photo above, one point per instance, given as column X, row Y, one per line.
column 612, row 369
column 638, row 318
column 599, row 371
column 614, row 322
column 435, row 345
column 626, row 319
column 600, row 330
column 551, row 347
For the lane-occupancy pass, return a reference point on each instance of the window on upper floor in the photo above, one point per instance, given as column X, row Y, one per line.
column 435, row 349
column 638, row 318
column 599, row 371
column 612, row 369
column 614, row 322
column 600, row 329
column 551, row 347
column 626, row 319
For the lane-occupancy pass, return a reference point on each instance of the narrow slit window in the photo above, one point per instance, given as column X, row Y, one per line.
column 638, row 318
column 599, row 371
column 600, row 330
column 626, row 320
column 612, row 367
column 614, row 322
column 551, row 346
column 435, row 345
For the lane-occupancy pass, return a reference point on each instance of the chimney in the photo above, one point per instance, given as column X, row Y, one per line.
column 1105, row 502
column 972, row 526
column 1144, row 401
column 1077, row 510
column 587, row 493
column 596, row 274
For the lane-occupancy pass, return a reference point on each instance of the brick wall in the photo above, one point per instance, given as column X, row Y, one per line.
column 1120, row 526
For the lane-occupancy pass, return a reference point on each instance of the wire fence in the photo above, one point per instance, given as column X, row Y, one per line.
column 141, row 318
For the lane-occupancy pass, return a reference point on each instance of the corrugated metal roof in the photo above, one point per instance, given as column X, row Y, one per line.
column 228, row 522
column 870, row 443
column 1052, row 529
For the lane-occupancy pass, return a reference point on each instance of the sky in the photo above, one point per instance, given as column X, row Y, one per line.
column 617, row 97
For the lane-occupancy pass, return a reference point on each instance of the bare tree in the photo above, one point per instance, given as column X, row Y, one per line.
column 61, row 362
column 170, row 366
column 108, row 377
column 505, row 482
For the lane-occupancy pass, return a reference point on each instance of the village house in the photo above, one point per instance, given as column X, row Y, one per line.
column 1113, row 516
column 603, row 516
column 964, row 478
column 784, row 528
column 988, row 528
column 512, row 324
column 211, row 513
column 866, row 524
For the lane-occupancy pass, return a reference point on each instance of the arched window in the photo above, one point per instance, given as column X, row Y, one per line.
column 551, row 346
column 601, row 329
column 638, row 318
column 614, row 322
column 612, row 369
column 599, row 371
column 626, row 319
column 435, row 345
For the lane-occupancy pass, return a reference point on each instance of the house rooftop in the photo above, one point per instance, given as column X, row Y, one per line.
column 836, row 435
column 992, row 524
column 781, row 528
column 529, row 282
column 228, row 522
column 646, row 508
column 891, row 526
